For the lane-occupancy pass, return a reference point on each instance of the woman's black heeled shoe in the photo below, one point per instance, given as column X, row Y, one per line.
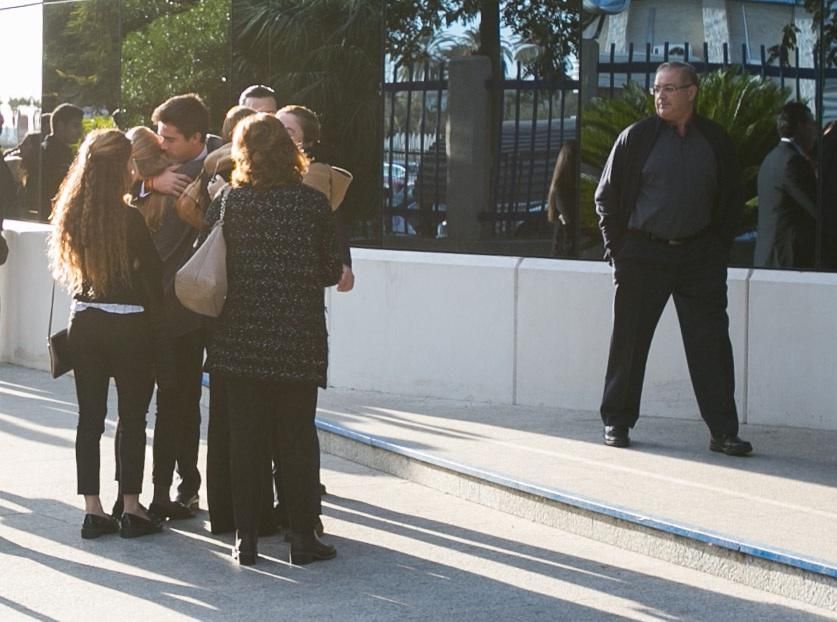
column 307, row 548
column 245, row 550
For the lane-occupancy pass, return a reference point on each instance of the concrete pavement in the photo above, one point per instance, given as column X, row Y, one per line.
column 405, row 551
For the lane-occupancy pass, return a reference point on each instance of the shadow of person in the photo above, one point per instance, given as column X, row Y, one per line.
column 667, row 598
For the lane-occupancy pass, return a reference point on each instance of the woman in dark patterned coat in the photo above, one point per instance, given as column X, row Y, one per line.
column 270, row 344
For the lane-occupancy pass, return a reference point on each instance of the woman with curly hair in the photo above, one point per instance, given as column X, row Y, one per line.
column 101, row 251
column 270, row 343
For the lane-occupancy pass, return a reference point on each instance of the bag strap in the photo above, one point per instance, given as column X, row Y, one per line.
column 226, row 191
column 51, row 307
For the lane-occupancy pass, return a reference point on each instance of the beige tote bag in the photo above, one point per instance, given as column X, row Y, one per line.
column 201, row 284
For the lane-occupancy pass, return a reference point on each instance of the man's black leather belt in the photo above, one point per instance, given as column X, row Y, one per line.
column 669, row 241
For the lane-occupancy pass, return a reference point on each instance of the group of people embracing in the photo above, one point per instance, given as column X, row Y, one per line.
column 130, row 212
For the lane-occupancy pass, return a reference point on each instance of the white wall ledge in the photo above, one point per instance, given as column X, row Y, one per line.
column 514, row 330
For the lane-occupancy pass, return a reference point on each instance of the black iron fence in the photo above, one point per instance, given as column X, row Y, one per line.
column 640, row 64
column 538, row 116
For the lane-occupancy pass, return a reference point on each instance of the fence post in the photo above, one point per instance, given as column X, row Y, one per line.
column 469, row 154
column 589, row 70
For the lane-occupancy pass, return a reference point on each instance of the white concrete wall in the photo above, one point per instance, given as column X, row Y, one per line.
column 427, row 324
column 511, row 330
column 792, row 362
column 25, row 289
column 563, row 341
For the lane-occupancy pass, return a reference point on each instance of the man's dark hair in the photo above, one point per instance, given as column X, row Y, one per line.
column 792, row 116
column 687, row 69
column 63, row 114
column 187, row 113
column 258, row 91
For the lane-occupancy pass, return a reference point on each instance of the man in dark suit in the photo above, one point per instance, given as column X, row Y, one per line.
column 182, row 125
column 260, row 98
column 668, row 202
column 788, row 194
column 57, row 153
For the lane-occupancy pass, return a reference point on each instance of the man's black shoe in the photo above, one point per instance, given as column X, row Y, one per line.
column 319, row 530
column 134, row 526
column 616, row 436
column 730, row 444
column 170, row 509
column 95, row 526
column 306, row 548
column 192, row 502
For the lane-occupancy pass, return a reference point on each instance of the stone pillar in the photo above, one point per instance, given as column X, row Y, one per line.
column 468, row 149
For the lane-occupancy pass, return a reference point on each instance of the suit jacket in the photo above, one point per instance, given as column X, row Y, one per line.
column 174, row 241
column 56, row 158
column 787, row 223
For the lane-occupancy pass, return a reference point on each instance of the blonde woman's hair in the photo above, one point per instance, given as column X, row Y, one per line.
column 265, row 155
column 149, row 160
column 88, row 245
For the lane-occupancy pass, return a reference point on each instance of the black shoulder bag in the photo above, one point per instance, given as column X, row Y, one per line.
column 59, row 346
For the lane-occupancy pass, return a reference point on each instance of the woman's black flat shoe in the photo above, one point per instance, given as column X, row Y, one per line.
column 134, row 526
column 95, row 526
column 245, row 550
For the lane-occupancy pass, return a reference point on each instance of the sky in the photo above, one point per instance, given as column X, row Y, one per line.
column 20, row 59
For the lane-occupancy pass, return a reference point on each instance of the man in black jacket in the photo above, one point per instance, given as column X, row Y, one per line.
column 787, row 233
column 668, row 202
column 57, row 153
column 182, row 125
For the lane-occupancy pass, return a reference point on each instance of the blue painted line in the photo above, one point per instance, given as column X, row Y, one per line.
column 707, row 537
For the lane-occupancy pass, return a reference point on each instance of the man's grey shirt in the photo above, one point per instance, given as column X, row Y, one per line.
column 679, row 186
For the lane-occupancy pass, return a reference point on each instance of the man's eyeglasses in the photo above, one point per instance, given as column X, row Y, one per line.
column 668, row 89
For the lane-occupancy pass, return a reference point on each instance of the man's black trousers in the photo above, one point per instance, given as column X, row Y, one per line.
column 646, row 273
column 177, row 429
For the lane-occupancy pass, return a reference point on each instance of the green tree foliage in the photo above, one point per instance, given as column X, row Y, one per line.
column 177, row 52
column 82, row 46
column 551, row 25
column 324, row 54
column 81, row 54
column 137, row 14
column 822, row 12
